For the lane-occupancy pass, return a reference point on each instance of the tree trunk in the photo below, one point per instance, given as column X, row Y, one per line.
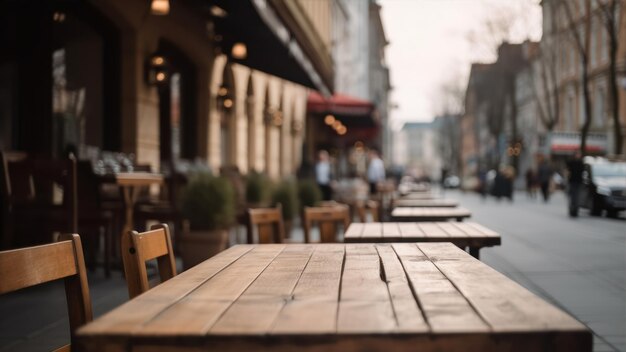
column 585, row 129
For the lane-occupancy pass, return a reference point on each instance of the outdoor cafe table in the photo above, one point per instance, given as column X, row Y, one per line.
column 414, row 214
column 420, row 195
column 337, row 297
column 437, row 203
column 131, row 183
column 461, row 234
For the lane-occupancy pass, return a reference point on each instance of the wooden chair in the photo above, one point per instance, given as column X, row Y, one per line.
column 368, row 207
column 327, row 219
column 269, row 224
column 21, row 268
column 137, row 248
column 29, row 188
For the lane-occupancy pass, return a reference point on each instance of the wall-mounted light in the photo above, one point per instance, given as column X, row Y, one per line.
column 222, row 91
column 329, row 120
column 239, row 51
column 157, row 70
column 296, row 126
column 228, row 103
column 277, row 118
column 58, row 17
column 342, row 130
column 160, row 7
column 337, row 124
column 218, row 11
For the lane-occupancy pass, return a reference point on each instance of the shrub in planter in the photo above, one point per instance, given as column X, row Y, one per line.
column 208, row 204
column 309, row 193
column 287, row 195
column 258, row 189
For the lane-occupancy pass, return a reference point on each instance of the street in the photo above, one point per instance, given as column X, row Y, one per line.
column 577, row 264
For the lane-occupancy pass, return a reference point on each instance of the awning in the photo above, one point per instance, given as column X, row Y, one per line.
column 274, row 46
column 353, row 112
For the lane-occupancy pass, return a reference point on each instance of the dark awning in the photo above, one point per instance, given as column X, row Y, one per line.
column 353, row 112
column 272, row 45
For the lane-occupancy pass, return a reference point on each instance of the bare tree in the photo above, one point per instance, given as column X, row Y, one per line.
column 544, row 70
column 608, row 11
column 580, row 31
column 451, row 103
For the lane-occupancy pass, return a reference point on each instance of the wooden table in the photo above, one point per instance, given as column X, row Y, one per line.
column 131, row 183
column 337, row 297
column 434, row 203
column 420, row 195
column 414, row 214
column 463, row 234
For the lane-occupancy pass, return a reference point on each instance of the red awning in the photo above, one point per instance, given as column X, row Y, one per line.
column 339, row 104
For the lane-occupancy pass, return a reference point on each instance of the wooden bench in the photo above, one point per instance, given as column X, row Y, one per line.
column 416, row 214
column 464, row 235
column 432, row 203
column 338, row 297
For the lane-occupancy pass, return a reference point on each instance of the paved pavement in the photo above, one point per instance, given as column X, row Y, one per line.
column 577, row 264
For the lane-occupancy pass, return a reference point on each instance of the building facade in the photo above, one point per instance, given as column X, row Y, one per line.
column 587, row 20
column 216, row 83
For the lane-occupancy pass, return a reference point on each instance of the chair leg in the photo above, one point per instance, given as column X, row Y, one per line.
column 108, row 231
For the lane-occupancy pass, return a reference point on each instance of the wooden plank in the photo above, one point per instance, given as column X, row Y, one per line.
column 504, row 304
column 445, row 308
column 409, row 317
column 372, row 229
column 390, row 230
column 430, row 229
column 410, row 229
column 364, row 304
column 31, row 266
column 354, row 230
column 255, row 310
column 451, row 230
column 313, row 307
column 133, row 314
column 483, row 230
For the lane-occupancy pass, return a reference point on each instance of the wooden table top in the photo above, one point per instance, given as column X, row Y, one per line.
column 337, row 297
column 138, row 178
column 429, row 213
column 435, row 202
column 420, row 195
column 464, row 234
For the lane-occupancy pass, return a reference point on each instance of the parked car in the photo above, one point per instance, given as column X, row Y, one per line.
column 452, row 182
column 604, row 186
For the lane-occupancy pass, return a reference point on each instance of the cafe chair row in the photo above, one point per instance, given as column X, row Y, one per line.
column 31, row 266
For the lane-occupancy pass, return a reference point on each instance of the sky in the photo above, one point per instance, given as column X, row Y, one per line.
column 433, row 42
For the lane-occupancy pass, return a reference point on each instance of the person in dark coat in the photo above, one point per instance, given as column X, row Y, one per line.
column 575, row 169
column 544, row 175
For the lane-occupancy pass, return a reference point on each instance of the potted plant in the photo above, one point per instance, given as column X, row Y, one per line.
column 287, row 196
column 309, row 193
column 208, row 205
column 258, row 190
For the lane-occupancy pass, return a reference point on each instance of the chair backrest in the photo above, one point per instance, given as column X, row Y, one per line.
column 25, row 267
column 137, row 248
column 327, row 219
column 269, row 224
column 368, row 207
column 31, row 184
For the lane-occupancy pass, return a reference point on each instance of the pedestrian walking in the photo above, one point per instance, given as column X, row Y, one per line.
column 544, row 175
column 531, row 183
column 575, row 169
column 322, row 174
column 375, row 171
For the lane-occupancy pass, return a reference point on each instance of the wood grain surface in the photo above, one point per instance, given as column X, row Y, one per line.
column 338, row 297
column 429, row 214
